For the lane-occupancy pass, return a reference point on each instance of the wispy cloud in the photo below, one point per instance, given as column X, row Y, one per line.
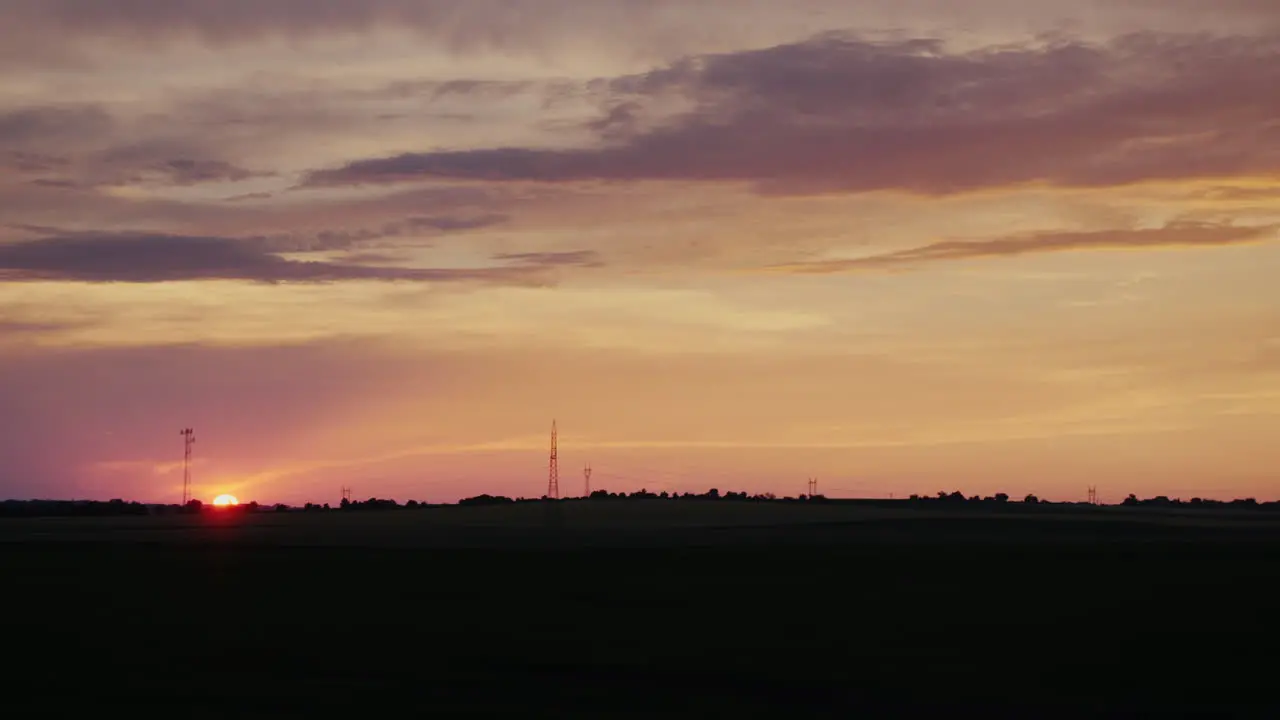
column 1170, row 236
column 584, row 258
column 161, row 258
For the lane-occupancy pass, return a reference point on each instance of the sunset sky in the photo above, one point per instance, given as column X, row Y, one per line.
column 900, row 245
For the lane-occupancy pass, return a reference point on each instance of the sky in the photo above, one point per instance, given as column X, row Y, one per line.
column 902, row 246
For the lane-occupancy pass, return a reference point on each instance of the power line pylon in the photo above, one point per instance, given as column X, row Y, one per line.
column 1093, row 495
column 188, row 439
column 346, row 493
column 813, row 487
column 586, row 476
column 553, row 470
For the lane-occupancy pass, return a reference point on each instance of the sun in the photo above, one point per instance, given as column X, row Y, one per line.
column 225, row 501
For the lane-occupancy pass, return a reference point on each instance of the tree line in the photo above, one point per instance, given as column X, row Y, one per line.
column 117, row 507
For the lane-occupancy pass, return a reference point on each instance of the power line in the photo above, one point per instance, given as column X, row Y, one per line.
column 188, row 439
column 553, row 470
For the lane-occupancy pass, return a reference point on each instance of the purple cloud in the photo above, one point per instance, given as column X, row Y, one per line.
column 837, row 113
column 161, row 258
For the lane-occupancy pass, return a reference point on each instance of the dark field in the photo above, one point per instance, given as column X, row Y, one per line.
column 647, row 609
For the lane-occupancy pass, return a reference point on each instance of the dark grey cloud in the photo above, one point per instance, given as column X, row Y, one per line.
column 445, row 223
column 577, row 258
column 79, row 146
column 60, row 184
column 249, row 196
column 188, row 171
column 161, row 258
column 27, row 162
column 343, row 239
column 49, row 124
column 841, row 113
column 1175, row 235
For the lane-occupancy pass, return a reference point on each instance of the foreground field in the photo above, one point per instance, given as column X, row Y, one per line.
column 658, row 523
column 636, row 612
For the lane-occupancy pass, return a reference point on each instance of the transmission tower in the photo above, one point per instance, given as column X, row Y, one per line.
column 188, row 439
column 586, row 476
column 553, row 470
column 813, row 487
column 1093, row 495
column 346, row 493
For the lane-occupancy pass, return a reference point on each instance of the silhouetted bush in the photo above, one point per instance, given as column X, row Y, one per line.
column 486, row 500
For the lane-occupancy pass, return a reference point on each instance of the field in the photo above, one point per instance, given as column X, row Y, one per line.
column 648, row 608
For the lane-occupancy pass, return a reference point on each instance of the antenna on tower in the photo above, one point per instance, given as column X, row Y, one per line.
column 188, row 439
column 553, row 470
column 586, row 476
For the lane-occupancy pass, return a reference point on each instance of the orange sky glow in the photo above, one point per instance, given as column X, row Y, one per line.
column 901, row 245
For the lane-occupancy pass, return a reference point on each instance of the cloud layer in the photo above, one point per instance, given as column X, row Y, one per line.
column 160, row 258
column 838, row 113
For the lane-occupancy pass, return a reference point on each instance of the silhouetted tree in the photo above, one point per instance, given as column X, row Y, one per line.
column 486, row 500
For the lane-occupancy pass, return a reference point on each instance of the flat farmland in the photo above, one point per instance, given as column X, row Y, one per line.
column 658, row 523
column 648, row 609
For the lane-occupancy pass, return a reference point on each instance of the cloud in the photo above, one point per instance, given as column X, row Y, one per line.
column 25, row 162
column 582, row 258
column 447, row 223
column 9, row 328
column 49, row 124
column 162, row 258
column 88, row 146
column 245, row 197
column 1176, row 235
column 413, row 226
column 188, row 171
column 839, row 113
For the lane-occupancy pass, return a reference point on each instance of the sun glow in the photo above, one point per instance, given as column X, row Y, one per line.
column 225, row 501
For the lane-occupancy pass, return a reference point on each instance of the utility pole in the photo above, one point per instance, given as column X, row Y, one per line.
column 553, row 469
column 188, row 439
column 586, row 476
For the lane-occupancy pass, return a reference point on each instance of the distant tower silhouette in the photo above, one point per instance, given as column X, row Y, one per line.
column 346, row 493
column 813, row 487
column 553, row 471
column 188, row 439
column 586, row 476
column 1093, row 494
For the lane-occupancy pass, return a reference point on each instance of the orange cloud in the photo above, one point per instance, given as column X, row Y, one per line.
column 1177, row 235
